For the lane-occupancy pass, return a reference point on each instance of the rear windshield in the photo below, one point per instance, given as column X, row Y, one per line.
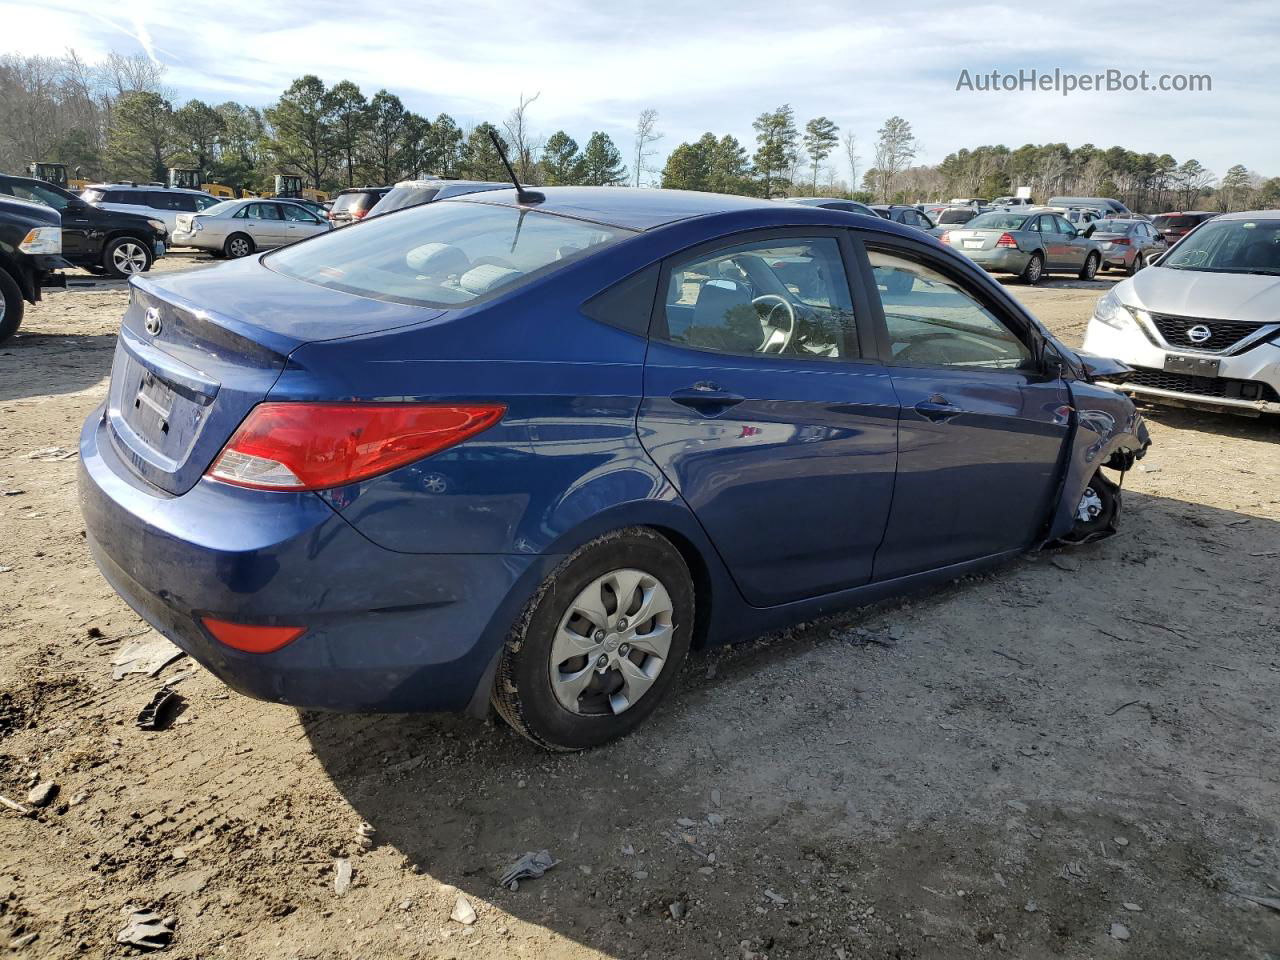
column 956, row 216
column 1230, row 246
column 1175, row 223
column 443, row 254
column 218, row 209
column 354, row 201
column 1112, row 226
column 400, row 197
column 998, row 221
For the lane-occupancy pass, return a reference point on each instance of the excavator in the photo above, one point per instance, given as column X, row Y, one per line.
column 56, row 173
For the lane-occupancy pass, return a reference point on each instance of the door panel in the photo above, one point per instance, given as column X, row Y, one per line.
column 759, row 412
column 791, row 475
column 981, row 433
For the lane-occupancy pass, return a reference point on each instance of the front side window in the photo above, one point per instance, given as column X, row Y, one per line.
column 448, row 253
column 787, row 297
column 297, row 214
column 933, row 322
column 1230, row 246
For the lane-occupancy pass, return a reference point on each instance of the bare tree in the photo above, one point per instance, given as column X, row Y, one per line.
column 895, row 150
column 851, row 154
column 523, row 143
column 646, row 133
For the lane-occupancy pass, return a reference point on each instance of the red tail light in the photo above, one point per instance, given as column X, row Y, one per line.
column 1006, row 240
column 315, row 446
column 251, row 639
column 946, row 236
column 358, row 213
column 1119, row 241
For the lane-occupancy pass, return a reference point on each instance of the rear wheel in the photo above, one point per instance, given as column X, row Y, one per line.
column 1139, row 261
column 12, row 306
column 1090, row 268
column 600, row 644
column 1034, row 270
column 126, row 257
column 238, row 245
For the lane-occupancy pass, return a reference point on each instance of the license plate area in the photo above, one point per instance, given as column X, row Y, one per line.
column 153, row 401
column 1191, row 365
column 972, row 244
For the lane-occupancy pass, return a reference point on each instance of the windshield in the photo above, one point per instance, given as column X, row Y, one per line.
column 998, row 221
column 443, row 254
column 1230, row 246
column 1174, row 223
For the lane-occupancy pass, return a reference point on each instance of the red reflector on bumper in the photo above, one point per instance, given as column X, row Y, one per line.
column 251, row 639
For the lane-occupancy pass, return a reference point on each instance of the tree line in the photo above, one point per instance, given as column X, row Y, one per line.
column 116, row 120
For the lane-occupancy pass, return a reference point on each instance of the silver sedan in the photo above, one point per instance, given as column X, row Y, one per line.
column 1128, row 245
column 236, row 228
column 1029, row 245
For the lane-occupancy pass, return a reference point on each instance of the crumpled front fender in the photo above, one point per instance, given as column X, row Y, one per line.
column 1108, row 431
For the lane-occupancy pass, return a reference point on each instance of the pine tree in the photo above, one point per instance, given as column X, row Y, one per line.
column 561, row 161
column 602, row 164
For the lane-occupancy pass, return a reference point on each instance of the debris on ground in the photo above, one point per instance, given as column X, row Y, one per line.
column 149, row 656
column 159, row 713
column 13, row 805
column 1119, row 931
column 1132, row 907
column 146, row 929
column 530, row 866
column 463, row 912
column 52, row 453
column 17, row 943
column 364, row 836
column 1272, row 902
column 777, row 898
column 341, row 875
column 676, row 909
column 42, row 794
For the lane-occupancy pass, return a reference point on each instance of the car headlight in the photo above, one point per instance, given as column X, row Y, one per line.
column 42, row 240
column 1113, row 313
column 196, row 225
column 159, row 227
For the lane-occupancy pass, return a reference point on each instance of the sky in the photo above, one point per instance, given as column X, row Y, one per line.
column 716, row 66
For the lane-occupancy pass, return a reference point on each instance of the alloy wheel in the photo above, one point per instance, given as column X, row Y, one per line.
column 238, row 247
column 129, row 258
column 612, row 643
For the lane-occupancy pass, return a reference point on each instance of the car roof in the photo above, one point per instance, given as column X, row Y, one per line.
column 1188, row 213
column 1250, row 215
column 143, row 186
column 628, row 207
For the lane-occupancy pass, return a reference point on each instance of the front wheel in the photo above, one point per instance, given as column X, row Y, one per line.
column 126, row 257
column 1098, row 512
column 1090, row 268
column 12, row 306
column 600, row 644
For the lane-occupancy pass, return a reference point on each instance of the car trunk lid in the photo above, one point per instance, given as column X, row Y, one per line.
column 185, row 375
column 975, row 239
column 183, row 221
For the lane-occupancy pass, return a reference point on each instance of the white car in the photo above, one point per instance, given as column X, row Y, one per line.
column 1201, row 326
column 237, row 228
column 161, row 203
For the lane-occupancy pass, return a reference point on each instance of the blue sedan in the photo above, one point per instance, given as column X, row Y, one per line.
column 528, row 450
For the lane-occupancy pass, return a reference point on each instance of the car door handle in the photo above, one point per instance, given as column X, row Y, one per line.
column 707, row 398
column 937, row 408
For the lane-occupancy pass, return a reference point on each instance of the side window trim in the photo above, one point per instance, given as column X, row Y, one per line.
column 909, row 250
column 860, row 347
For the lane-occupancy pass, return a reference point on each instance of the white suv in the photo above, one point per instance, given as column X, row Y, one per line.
column 161, row 203
column 1201, row 327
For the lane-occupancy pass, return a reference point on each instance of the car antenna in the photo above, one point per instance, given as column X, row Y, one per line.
column 523, row 195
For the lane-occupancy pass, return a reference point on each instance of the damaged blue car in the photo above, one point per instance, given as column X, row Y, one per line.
column 527, row 449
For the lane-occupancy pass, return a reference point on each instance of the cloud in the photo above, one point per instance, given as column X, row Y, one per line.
column 715, row 67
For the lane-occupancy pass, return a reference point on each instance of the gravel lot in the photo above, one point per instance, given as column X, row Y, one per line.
column 1074, row 756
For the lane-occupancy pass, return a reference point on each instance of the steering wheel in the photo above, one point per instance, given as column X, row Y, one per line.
column 775, row 340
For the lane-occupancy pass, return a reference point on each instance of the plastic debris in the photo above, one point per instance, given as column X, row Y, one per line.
column 341, row 876
column 160, row 712
column 463, row 912
column 149, row 656
column 1119, row 931
column 530, row 866
column 147, row 930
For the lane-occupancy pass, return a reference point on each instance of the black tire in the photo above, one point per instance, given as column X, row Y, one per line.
column 1090, row 268
column 125, row 257
column 1033, row 272
column 1107, row 518
column 1139, row 261
column 522, row 692
column 12, row 304
column 238, row 245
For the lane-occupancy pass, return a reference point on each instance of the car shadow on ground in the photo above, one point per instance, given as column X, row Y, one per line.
column 37, row 364
column 1101, row 283
column 1265, row 428
column 904, row 780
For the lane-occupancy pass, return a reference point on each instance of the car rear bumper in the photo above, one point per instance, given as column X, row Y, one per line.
column 385, row 631
column 999, row 260
column 1248, row 382
column 201, row 240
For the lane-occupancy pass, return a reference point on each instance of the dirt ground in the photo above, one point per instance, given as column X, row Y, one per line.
column 1008, row 766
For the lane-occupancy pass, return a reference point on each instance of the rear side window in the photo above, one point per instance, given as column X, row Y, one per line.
column 787, row 297
column 445, row 254
column 401, row 197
